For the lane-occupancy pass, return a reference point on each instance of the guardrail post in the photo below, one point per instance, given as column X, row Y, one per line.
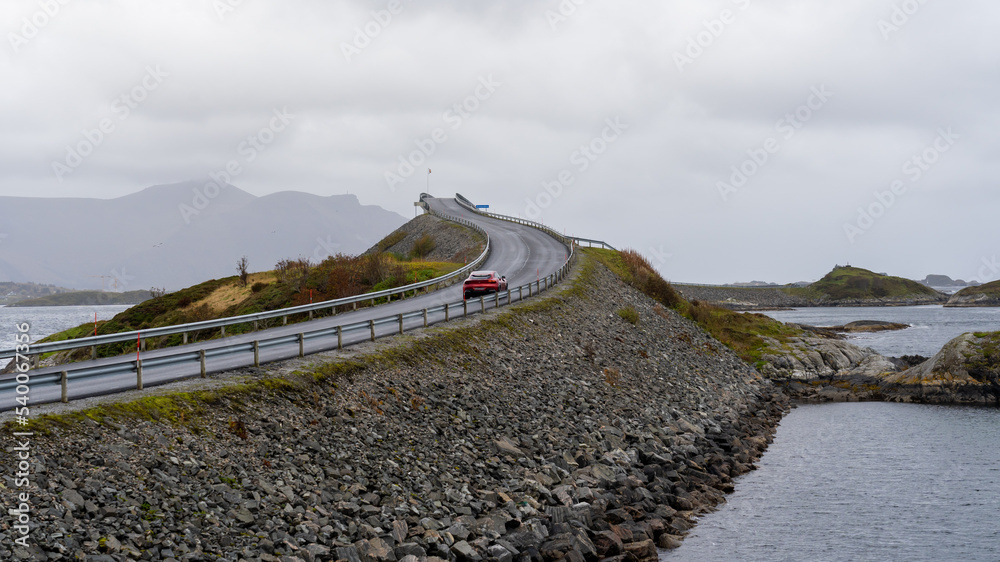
column 310, row 315
column 201, row 359
column 520, row 296
column 355, row 305
column 400, row 316
column 255, row 325
column 482, row 303
column 138, row 374
column 302, row 345
column 425, row 318
column 93, row 352
column 185, row 337
column 256, row 353
column 446, row 312
column 371, row 326
column 284, row 320
column 65, row 392
column 465, row 307
column 340, row 337
column 529, row 289
column 223, row 331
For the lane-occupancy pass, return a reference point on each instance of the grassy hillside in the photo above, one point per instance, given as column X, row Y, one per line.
column 991, row 290
column 292, row 283
column 87, row 298
column 742, row 332
column 855, row 283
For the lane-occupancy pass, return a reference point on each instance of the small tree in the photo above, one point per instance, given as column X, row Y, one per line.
column 157, row 292
column 243, row 267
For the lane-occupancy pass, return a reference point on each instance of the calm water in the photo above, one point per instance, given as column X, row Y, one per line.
column 48, row 320
column 867, row 481
column 931, row 326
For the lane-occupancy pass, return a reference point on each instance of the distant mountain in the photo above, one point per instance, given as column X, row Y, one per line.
column 945, row 281
column 174, row 236
column 15, row 292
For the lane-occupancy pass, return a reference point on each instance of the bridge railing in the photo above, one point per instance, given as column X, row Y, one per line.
column 561, row 237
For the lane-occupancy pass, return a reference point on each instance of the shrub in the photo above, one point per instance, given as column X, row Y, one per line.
column 423, row 246
column 629, row 314
column 258, row 287
column 648, row 280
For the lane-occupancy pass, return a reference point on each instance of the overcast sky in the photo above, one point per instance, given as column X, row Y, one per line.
column 727, row 140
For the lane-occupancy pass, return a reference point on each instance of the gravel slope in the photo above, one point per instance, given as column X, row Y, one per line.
column 550, row 430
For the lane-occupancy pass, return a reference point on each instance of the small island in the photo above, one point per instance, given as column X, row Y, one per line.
column 86, row 298
column 982, row 295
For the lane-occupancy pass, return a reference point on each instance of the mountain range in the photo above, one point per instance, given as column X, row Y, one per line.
column 173, row 236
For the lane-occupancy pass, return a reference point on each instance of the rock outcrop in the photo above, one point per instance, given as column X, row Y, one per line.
column 983, row 295
column 824, row 368
column 965, row 371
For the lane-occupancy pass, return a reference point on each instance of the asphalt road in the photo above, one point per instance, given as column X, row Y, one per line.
column 521, row 253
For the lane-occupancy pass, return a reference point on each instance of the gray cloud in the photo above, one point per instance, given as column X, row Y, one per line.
column 560, row 78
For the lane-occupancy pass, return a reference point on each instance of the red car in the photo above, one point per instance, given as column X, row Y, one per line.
column 483, row 282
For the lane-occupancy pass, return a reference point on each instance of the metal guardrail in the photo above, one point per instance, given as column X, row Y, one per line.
column 221, row 323
column 463, row 201
column 124, row 366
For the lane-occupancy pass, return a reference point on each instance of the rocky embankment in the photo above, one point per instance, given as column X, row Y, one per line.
column 451, row 242
column 742, row 298
column 768, row 298
column 550, row 430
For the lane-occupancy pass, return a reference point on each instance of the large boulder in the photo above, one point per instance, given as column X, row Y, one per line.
column 965, row 371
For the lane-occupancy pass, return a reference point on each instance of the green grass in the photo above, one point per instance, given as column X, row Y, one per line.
column 856, row 283
column 337, row 277
column 990, row 289
column 629, row 314
column 743, row 333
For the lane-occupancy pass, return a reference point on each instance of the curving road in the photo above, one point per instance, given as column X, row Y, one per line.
column 520, row 252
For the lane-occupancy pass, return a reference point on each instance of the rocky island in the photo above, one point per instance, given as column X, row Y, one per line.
column 982, row 295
